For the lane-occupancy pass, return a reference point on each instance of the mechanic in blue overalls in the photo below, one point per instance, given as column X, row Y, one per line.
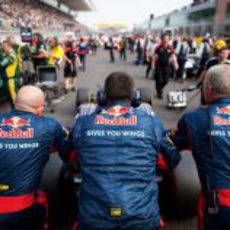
column 118, row 147
column 206, row 131
column 26, row 140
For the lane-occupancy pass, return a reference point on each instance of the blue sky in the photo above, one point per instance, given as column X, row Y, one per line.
column 128, row 12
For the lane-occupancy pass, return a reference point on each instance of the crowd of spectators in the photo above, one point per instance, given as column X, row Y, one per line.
column 36, row 15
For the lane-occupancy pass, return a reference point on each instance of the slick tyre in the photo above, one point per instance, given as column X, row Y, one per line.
column 179, row 190
column 82, row 96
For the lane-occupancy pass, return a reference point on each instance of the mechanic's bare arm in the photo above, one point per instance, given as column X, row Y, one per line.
column 155, row 57
column 66, row 59
column 175, row 62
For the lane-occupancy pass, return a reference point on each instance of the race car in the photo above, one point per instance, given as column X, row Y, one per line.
column 179, row 189
column 86, row 95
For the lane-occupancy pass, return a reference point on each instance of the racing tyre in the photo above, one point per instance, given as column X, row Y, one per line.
column 67, row 198
column 186, row 185
column 82, row 97
column 179, row 190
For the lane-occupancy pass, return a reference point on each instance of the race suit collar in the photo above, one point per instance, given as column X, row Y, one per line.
column 21, row 112
column 121, row 103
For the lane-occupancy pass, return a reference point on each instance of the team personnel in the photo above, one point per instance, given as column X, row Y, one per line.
column 163, row 54
column 83, row 50
column 38, row 51
column 204, row 53
column 70, row 68
column 111, row 48
column 221, row 58
column 9, row 68
column 206, row 132
column 123, row 48
column 150, row 50
column 118, row 146
column 26, row 139
column 182, row 57
column 56, row 52
column 14, row 44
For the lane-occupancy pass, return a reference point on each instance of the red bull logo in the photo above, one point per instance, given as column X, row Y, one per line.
column 221, row 121
column 116, row 111
column 224, row 110
column 16, row 124
column 116, row 121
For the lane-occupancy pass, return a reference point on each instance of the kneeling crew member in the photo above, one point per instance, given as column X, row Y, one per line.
column 118, row 146
column 206, row 131
column 26, row 139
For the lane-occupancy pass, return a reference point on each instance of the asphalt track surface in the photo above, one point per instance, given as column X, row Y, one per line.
column 98, row 68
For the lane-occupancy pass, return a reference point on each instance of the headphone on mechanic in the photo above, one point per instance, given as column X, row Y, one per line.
column 102, row 99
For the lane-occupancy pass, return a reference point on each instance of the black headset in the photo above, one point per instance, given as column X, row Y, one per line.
column 102, row 99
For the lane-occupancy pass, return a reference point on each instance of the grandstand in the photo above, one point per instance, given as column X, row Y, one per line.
column 52, row 15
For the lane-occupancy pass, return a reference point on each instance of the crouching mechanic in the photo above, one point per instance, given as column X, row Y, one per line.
column 206, row 131
column 118, row 146
column 26, row 139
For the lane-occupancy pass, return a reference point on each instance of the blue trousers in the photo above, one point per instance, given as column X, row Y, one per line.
column 129, row 225
column 220, row 221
